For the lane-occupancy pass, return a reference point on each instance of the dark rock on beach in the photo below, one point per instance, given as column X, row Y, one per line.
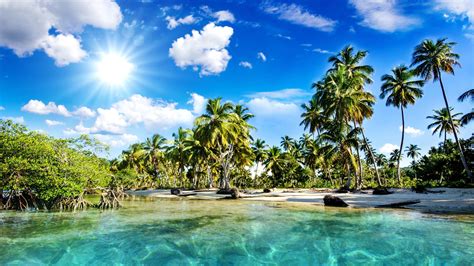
column 334, row 201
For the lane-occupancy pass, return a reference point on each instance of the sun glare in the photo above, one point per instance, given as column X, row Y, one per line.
column 114, row 70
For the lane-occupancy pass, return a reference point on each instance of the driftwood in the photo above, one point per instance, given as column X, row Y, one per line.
column 400, row 204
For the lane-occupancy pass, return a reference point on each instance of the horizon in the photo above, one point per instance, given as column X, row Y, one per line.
column 146, row 67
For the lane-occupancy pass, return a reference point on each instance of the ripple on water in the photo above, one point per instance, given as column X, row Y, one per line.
column 233, row 233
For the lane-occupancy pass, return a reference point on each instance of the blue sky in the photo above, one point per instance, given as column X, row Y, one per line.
column 180, row 53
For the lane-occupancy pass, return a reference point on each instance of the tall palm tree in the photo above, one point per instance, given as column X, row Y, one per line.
column 430, row 59
column 224, row 131
column 465, row 119
column 413, row 151
column 401, row 89
column 178, row 150
column 443, row 124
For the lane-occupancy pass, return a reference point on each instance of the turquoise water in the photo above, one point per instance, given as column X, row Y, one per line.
column 187, row 232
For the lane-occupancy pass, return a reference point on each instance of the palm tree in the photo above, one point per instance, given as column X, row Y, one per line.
column 275, row 163
column 178, row 151
column 351, row 62
column 465, row 119
column 443, row 124
column 259, row 150
column 287, row 143
column 430, row 58
column 413, row 151
column 401, row 89
column 153, row 148
column 313, row 116
column 226, row 133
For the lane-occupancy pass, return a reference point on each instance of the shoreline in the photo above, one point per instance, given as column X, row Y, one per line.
column 451, row 201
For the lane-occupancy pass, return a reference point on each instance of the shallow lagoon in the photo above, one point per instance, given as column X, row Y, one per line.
column 226, row 232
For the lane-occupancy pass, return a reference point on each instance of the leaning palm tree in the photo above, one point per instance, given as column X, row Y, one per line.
column 401, row 89
column 430, row 58
column 442, row 123
column 465, row 119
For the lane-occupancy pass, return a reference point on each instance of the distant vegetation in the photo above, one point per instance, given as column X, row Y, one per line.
column 219, row 150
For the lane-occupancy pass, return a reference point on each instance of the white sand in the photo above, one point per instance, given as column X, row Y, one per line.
column 453, row 200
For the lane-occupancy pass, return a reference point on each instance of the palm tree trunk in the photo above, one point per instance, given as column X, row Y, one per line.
column 359, row 161
column 401, row 147
column 379, row 182
column 461, row 153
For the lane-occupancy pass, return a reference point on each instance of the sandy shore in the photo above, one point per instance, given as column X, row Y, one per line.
column 452, row 200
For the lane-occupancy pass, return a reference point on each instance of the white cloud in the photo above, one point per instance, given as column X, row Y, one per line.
column 199, row 103
column 298, row 15
column 281, row 94
column 463, row 8
column 203, row 49
column 265, row 107
column 65, row 49
column 224, row 15
column 383, row 15
column 19, row 119
column 25, row 26
column 38, row 107
column 283, row 36
column 117, row 140
column 261, row 56
column 245, row 64
column 2, row 108
column 173, row 22
column 388, row 148
column 53, row 123
column 84, row 112
column 138, row 109
column 322, row 51
column 414, row 132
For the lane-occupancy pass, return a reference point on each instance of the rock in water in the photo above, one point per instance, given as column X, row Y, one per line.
column 175, row 191
column 334, row 201
column 267, row 190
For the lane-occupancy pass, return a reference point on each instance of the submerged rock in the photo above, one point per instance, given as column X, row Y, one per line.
column 330, row 200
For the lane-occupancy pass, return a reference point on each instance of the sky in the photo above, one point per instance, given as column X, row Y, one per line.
column 122, row 71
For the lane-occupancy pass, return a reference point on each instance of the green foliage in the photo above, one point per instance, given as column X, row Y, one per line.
column 50, row 168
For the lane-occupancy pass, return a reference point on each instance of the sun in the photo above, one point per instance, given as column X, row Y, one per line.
column 114, row 69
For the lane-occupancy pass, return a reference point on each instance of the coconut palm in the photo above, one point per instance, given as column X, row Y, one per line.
column 465, row 119
column 287, row 143
column 401, row 89
column 259, row 150
column 178, row 151
column 412, row 151
column 153, row 148
column 351, row 62
column 313, row 117
column 430, row 59
column 442, row 123
column 225, row 132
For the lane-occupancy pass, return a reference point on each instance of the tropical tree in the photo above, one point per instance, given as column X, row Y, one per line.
column 313, row 117
column 178, row 151
column 430, row 59
column 413, row 151
column 444, row 123
column 259, row 150
column 401, row 89
column 226, row 133
column 465, row 119
column 154, row 154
